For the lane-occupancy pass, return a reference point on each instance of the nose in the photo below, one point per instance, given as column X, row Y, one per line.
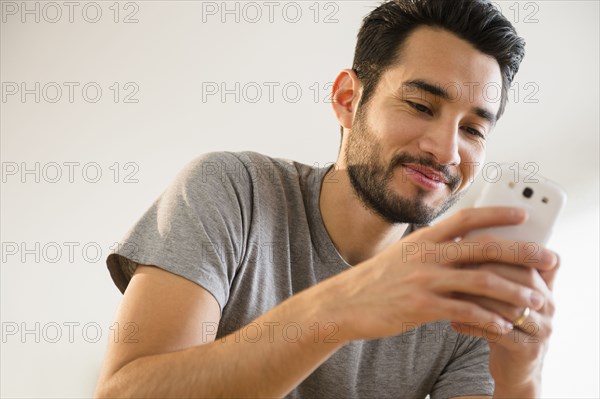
column 441, row 141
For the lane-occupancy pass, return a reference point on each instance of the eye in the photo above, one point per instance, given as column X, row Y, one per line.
column 420, row 107
column 474, row 132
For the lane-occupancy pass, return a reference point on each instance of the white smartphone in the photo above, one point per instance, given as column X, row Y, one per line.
column 512, row 185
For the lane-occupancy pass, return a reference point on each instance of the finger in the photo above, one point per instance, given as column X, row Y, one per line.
column 468, row 219
column 470, row 313
column 506, row 310
column 531, row 331
column 492, row 249
column 489, row 285
column 525, row 276
column 549, row 275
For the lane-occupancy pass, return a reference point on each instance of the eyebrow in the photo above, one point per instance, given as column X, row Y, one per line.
column 436, row 90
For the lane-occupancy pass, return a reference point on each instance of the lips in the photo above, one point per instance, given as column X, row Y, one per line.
column 427, row 172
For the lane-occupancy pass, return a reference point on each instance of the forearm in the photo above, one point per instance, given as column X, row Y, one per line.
column 515, row 378
column 531, row 389
column 269, row 363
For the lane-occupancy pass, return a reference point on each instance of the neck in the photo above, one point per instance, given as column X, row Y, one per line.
column 357, row 232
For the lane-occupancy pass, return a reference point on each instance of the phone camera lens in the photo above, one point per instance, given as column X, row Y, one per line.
column 527, row 193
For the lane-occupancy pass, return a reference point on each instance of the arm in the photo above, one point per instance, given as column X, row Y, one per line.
column 368, row 301
column 175, row 357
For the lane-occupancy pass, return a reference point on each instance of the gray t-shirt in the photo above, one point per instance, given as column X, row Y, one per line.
column 248, row 229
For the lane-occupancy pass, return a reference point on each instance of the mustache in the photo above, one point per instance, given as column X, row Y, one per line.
column 404, row 158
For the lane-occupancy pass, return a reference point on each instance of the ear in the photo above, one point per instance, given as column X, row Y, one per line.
column 346, row 93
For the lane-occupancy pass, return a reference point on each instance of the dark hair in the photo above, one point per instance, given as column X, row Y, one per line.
column 385, row 30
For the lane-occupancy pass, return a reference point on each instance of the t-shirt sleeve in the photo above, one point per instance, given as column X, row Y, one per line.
column 195, row 229
column 467, row 374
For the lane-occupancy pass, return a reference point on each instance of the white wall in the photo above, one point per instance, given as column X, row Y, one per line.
column 167, row 56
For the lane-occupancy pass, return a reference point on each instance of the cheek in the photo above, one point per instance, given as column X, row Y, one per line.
column 400, row 128
column 472, row 158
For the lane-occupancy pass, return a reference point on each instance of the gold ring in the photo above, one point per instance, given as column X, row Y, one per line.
column 519, row 322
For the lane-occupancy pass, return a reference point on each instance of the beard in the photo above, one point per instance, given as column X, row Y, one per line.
column 371, row 180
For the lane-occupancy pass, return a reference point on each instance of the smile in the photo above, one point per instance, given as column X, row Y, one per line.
column 425, row 177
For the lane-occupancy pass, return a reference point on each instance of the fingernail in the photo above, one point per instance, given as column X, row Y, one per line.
column 506, row 326
column 519, row 214
column 549, row 257
column 536, row 299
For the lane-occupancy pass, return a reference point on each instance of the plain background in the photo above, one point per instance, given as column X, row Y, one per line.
column 155, row 113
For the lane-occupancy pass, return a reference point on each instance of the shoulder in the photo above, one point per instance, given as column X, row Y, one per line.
column 231, row 164
column 247, row 167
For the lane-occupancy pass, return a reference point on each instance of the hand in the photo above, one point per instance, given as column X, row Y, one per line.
column 416, row 280
column 516, row 358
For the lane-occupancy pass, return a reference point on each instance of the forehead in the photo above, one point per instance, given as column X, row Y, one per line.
column 444, row 59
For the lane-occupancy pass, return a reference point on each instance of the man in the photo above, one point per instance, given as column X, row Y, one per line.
column 260, row 277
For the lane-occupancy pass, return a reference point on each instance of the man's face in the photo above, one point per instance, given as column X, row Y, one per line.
column 415, row 149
